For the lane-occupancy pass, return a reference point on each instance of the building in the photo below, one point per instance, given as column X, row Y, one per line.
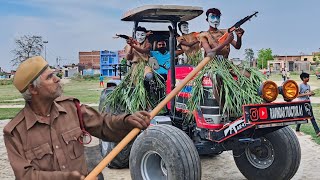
column 91, row 71
column 89, row 58
column 108, row 63
column 70, row 70
column 291, row 63
column 100, row 62
column 121, row 54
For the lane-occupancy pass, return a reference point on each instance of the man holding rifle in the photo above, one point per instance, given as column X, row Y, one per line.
column 138, row 51
column 210, row 39
column 45, row 140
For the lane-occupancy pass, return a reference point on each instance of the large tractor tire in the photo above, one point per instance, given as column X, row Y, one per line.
column 278, row 156
column 93, row 158
column 164, row 152
column 122, row 159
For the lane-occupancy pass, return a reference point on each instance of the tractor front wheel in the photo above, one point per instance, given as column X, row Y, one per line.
column 278, row 156
column 164, row 152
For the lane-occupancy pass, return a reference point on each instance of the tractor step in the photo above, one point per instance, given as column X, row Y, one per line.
column 251, row 141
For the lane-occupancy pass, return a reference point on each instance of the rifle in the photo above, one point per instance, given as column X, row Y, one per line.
column 123, row 36
column 236, row 26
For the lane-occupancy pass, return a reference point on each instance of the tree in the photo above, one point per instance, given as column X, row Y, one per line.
column 123, row 66
column 249, row 55
column 264, row 55
column 316, row 59
column 26, row 47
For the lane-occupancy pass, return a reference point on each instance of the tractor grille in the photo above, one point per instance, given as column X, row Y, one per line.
column 209, row 106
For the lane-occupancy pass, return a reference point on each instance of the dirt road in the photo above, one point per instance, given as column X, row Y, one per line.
column 221, row 167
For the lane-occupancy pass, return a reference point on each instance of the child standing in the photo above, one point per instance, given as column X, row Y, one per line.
column 304, row 95
column 101, row 80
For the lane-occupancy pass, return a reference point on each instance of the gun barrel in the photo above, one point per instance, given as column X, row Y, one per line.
column 123, row 36
column 245, row 19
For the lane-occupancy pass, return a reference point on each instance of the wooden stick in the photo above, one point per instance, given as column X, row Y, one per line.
column 133, row 133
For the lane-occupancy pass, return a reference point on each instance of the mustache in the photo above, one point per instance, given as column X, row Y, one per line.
column 214, row 21
column 60, row 85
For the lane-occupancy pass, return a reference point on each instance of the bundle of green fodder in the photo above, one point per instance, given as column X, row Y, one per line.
column 195, row 58
column 233, row 92
column 131, row 95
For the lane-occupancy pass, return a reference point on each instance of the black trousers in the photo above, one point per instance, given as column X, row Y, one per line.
column 314, row 124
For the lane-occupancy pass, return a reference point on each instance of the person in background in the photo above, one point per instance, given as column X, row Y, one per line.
column 268, row 73
column 101, row 78
column 162, row 55
column 304, row 95
column 45, row 139
column 288, row 74
column 284, row 74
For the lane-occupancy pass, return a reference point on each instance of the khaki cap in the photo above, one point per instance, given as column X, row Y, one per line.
column 28, row 71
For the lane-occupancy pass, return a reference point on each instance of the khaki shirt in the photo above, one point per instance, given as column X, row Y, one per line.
column 39, row 149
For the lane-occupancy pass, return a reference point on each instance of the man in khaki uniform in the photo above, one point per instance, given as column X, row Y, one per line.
column 43, row 140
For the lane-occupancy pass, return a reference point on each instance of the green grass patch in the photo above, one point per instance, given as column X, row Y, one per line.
column 308, row 128
column 8, row 113
column 275, row 77
column 313, row 82
column 317, row 93
column 6, row 81
column 8, row 92
column 85, row 91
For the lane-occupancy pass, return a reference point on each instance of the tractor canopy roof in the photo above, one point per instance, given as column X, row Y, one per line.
column 162, row 13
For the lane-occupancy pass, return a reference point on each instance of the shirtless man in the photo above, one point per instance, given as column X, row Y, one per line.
column 209, row 42
column 138, row 50
column 188, row 42
column 209, row 39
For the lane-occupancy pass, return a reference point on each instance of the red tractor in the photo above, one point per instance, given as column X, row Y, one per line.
column 263, row 145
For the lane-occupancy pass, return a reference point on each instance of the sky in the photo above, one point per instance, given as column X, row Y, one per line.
column 287, row 27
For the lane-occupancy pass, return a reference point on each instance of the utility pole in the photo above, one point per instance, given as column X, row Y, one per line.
column 45, row 49
column 58, row 60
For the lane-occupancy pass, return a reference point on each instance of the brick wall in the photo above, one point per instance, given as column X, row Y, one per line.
column 89, row 58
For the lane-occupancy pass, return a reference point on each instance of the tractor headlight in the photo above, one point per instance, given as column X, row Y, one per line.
column 289, row 90
column 268, row 91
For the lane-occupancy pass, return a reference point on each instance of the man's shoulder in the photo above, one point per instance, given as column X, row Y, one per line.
column 13, row 123
column 223, row 30
column 204, row 33
column 154, row 53
column 65, row 98
column 304, row 85
column 181, row 38
column 146, row 43
column 66, row 101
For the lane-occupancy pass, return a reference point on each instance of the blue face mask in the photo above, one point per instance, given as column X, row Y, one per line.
column 214, row 18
